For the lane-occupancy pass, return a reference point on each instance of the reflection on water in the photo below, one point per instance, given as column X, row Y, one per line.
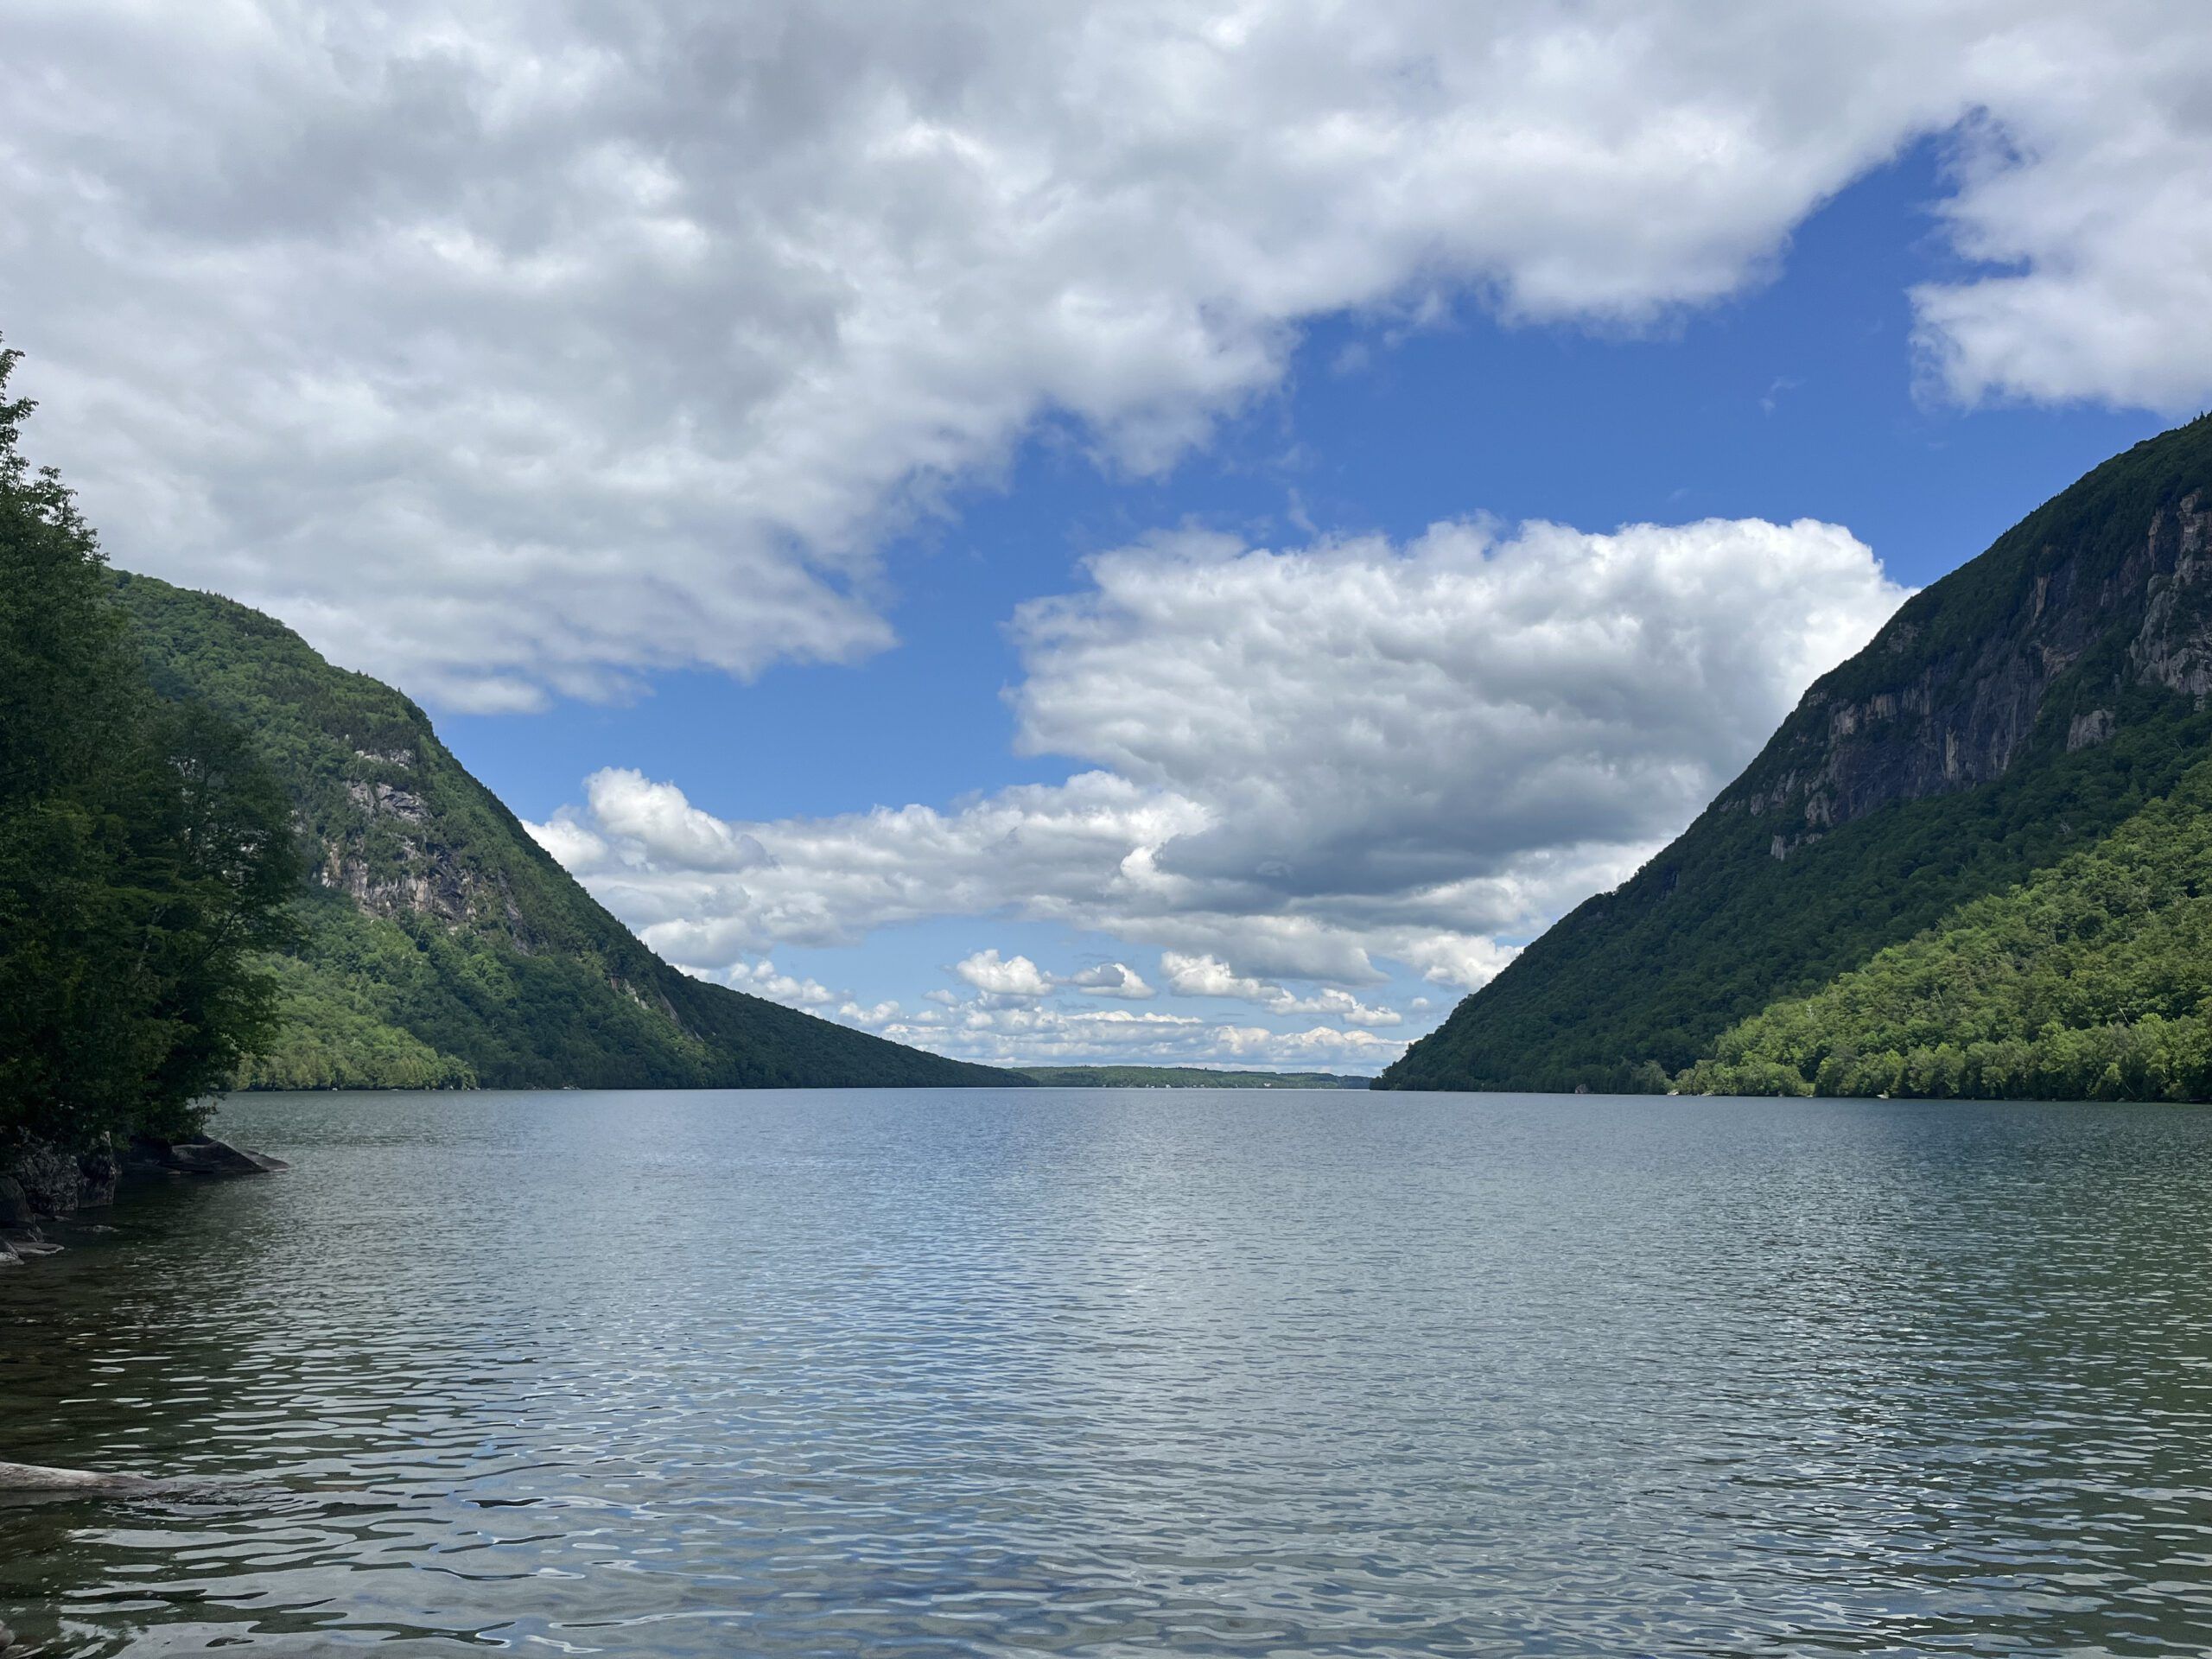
column 1123, row 1373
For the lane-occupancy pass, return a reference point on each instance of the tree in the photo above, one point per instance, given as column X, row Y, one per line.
column 145, row 855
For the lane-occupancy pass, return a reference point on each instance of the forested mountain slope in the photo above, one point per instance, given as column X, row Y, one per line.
column 439, row 945
column 2091, row 980
column 2012, row 714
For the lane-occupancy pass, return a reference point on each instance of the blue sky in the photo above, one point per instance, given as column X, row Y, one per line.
column 1139, row 529
column 1798, row 399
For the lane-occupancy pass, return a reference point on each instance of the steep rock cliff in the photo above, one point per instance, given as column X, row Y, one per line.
column 2007, row 714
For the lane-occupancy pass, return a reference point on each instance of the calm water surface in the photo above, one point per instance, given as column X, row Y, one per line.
column 1112, row 1373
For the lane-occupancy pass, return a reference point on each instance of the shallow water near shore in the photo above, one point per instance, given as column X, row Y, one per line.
column 1116, row 1373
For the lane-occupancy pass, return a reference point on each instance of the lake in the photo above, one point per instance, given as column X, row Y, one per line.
column 1109, row 1372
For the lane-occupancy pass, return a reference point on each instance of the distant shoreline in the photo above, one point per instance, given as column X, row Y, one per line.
column 1180, row 1076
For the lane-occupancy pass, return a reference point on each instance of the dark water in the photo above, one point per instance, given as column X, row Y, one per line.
column 1130, row 1373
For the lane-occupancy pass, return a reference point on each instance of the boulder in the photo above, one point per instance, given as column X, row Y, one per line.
column 50, row 1182
column 97, row 1172
column 41, row 1183
column 147, row 1155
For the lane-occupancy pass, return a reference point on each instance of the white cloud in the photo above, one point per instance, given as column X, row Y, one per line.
column 2086, row 185
column 1031, row 1033
column 515, row 350
column 1307, row 759
column 761, row 979
column 1019, row 979
column 1113, row 979
column 1007, row 976
column 655, row 823
column 572, row 845
column 1203, row 975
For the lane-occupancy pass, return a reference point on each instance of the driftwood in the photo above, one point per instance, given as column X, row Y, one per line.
column 30, row 1477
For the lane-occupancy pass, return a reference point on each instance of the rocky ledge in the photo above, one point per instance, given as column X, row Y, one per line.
column 40, row 1184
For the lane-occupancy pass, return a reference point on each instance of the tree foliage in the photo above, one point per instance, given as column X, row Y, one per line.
column 145, row 854
column 2091, row 980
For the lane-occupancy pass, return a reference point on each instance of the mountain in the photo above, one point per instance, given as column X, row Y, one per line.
column 2009, row 717
column 438, row 944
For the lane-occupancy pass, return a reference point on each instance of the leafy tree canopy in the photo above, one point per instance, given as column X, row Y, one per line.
column 145, row 854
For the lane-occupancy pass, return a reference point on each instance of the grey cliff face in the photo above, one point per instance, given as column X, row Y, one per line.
column 1963, row 718
column 385, row 851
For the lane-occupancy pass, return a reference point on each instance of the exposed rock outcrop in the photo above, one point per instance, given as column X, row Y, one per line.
column 40, row 1183
column 1960, row 717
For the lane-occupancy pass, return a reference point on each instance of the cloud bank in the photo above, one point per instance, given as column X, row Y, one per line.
column 1297, row 762
column 513, row 351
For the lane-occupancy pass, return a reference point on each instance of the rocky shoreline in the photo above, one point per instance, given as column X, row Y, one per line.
column 40, row 1184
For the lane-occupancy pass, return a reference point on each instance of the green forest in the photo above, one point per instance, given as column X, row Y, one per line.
column 2091, row 980
column 146, row 858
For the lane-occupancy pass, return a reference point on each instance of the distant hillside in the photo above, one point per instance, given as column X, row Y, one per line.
column 1181, row 1077
column 441, row 945
column 2013, row 714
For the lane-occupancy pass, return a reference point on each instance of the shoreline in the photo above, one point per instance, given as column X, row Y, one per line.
column 40, row 1184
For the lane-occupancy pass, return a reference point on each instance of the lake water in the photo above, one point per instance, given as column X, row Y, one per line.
column 1123, row 1373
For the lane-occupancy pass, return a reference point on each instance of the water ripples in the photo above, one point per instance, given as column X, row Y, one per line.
column 1120, row 1374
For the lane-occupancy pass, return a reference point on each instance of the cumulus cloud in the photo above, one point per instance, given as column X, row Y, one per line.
column 510, row 351
column 654, row 823
column 1189, row 975
column 1019, row 979
column 1113, row 979
column 761, row 979
column 2084, row 198
column 1032, row 1033
column 1301, row 760
column 1007, row 976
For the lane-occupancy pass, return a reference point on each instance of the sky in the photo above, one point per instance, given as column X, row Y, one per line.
column 1166, row 532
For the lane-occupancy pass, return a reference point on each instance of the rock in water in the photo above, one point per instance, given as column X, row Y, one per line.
column 150, row 1156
